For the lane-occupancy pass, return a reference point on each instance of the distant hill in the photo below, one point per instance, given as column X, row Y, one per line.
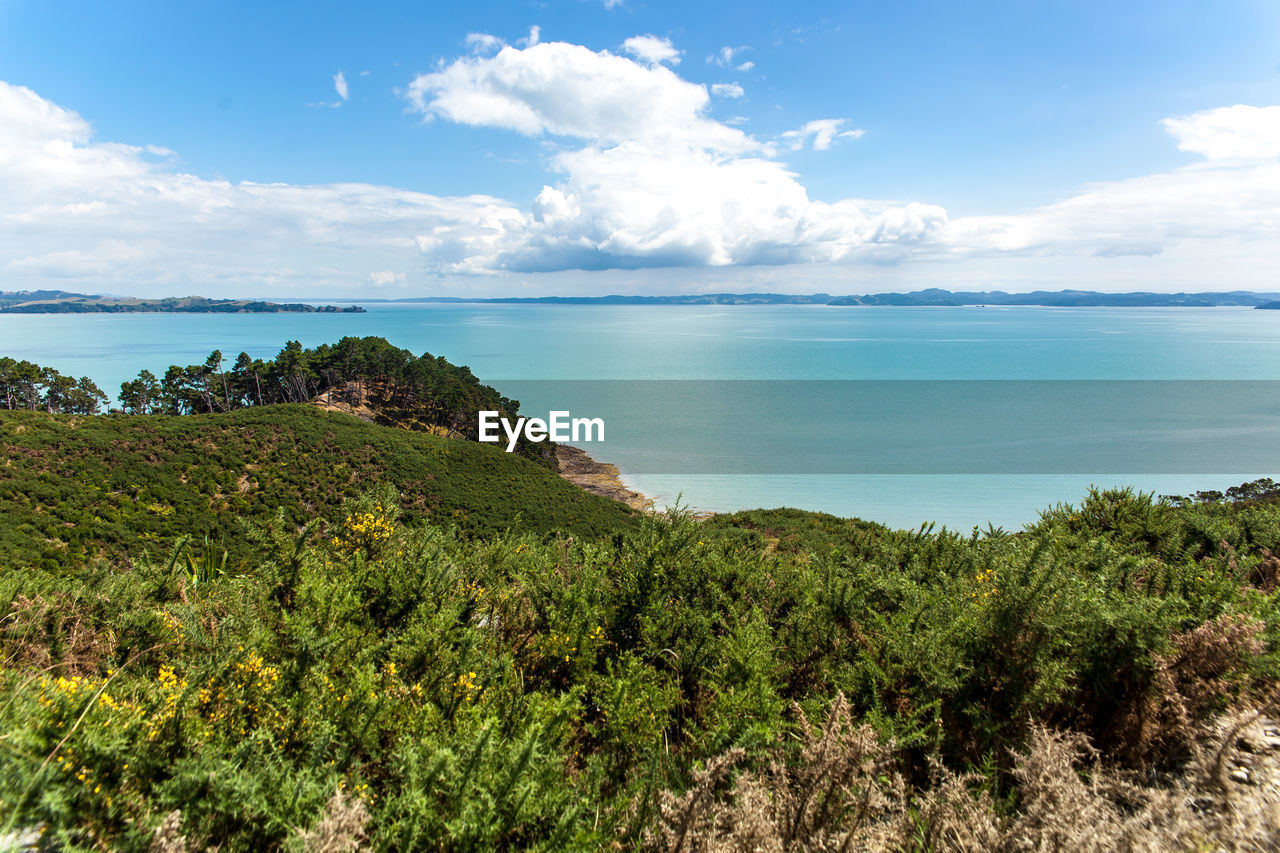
column 1062, row 298
column 931, row 296
column 16, row 296
column 618, row 299
column 66, row 302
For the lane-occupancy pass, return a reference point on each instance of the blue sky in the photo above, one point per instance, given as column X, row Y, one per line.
column 975, row 120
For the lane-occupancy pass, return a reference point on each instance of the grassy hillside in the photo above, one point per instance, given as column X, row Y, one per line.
column 76, row 488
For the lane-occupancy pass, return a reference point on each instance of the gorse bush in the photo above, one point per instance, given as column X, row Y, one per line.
column 386, row 681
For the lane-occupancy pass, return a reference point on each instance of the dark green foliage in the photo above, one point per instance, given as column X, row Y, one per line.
column 533, row 692
column 76, row 489
column 297, row 375
column 30, row 387
column 1264, row 489
column 393, row 385
column 795, row 530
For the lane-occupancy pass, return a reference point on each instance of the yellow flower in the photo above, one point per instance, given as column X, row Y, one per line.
column 365, row 530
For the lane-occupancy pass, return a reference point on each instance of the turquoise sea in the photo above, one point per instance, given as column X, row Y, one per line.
column 506, row 343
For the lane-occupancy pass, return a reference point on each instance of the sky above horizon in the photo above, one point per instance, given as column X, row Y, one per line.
column 621, row 146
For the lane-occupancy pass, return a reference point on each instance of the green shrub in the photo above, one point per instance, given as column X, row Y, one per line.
column 522, row 690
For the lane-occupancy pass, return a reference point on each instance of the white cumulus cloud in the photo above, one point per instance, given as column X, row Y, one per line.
column 340, row 85
column 570, row 90
column 652, row 49
column 655, row 181
column 639, row 176
column 1240, row 132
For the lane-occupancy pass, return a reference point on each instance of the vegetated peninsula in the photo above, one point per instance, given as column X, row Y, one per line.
column 931, row 296
column 237, row 619
column 66, row 302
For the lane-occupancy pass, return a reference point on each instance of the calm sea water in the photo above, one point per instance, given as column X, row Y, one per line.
column 521, row 342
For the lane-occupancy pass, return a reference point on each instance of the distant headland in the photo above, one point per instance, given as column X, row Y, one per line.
column 66, row 302
column 930, row 297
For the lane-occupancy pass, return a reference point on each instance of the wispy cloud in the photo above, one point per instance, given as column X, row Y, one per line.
column 483, row 43
column 822, row 132
column 383, row 278
column 535, row 36
column 725, row 56
column 340, row 87
column 727, row 90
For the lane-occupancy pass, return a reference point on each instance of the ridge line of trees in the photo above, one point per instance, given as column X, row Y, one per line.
column 401, row 389
column 417, row 392
column 354, row 369
column 26, row 385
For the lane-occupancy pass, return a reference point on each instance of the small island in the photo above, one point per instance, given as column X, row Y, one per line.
column 66, row 302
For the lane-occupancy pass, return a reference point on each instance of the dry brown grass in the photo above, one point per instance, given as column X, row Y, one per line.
column 1160, row 726
column 341, row 827
column 1266, row 575
column 40, row 633
column 842, row 792
column 168, row 837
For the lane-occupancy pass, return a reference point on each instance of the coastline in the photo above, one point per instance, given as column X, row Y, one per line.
column 599, row 478
column 572, row 463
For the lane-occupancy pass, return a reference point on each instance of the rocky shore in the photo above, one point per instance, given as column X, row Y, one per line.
column 599, row 478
